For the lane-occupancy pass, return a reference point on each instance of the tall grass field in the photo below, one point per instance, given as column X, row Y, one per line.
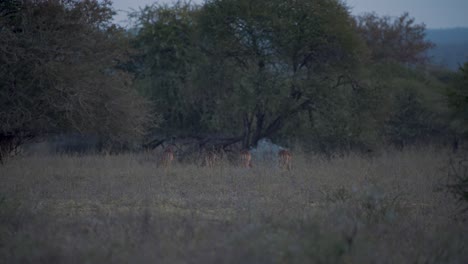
column 391, row 208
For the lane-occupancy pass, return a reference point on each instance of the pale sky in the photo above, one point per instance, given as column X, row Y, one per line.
column 434, row 13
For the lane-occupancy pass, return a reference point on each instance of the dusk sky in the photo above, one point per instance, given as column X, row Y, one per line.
column 434, row 13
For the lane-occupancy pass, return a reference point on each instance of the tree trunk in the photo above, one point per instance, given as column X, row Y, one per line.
column 246, row 137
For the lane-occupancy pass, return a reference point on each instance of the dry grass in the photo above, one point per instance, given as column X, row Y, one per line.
column 121, row 209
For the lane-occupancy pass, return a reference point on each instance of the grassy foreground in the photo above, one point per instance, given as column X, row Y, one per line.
column 124, row 209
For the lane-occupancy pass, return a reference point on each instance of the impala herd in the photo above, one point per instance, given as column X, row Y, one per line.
column 245, row 158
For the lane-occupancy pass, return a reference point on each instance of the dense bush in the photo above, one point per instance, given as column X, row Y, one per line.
column 59, row 72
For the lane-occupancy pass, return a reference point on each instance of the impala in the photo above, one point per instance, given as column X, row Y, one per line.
column 167, row 157
column 211, row 158
column 285, row 159
column 246, row 159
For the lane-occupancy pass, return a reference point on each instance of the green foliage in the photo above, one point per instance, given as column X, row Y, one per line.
column 289, row 70
column 280, row 51
column 458, row 100
column 168, row 59
column 411, row 122
column 60, row 73
column 458, row 165
column 239, row 67
column 345, row 119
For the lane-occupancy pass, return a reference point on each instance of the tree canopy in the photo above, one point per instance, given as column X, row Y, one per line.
column 244, row 68
column 395, row 40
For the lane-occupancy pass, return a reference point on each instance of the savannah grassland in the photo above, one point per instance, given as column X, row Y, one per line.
column 391, row 208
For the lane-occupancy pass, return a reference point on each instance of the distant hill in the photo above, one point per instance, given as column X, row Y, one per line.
column 451, row 46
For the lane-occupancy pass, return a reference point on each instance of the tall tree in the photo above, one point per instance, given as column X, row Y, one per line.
column 278, row 53
column 244, row 68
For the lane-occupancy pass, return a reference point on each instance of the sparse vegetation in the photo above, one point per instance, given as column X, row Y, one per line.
column 122, row 208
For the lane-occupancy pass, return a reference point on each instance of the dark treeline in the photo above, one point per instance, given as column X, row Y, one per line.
column 236, row 71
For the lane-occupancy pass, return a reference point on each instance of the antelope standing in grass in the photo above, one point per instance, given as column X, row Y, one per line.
column 246, row 159
column 211, row 158
column 167, row 157
column 285, row 159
